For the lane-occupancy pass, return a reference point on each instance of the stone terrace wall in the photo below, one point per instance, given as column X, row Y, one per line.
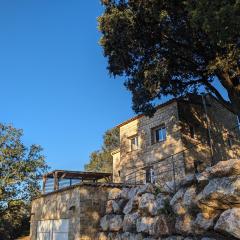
column 82, row 204
column 206, row 206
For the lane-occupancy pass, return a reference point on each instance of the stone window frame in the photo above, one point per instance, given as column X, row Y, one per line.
column 154, row 130
column 134, row 137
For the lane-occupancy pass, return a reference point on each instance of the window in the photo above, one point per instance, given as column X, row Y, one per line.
column 150, row 178
column 119, row 173
column 134, row 143
column 159, row 134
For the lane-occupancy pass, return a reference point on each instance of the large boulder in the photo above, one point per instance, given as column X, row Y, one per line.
column 162, row 226
column 202, row 224
column 147, row 188
column 115, row 223
column 184, row 200
column 229, row 222
column 220, row 193
column 114, row 194
column 131, row 205
column 188, row 180
column 155, row 226
column 144, row 224
column 112, row 207
column 189, row 197
column 128, row 193
column 177, row 202
column 221, row 169
column 111, row 223
column 129, row 222
column 147, row 204
column 184, row 224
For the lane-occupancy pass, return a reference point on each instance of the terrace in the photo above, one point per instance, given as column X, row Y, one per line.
column 59, row 179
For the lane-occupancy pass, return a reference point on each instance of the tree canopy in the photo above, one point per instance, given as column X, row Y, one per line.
column 20, row 171
column 173, row 47
column 101, row 160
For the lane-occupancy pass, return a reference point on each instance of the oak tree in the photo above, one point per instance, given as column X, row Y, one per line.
column 101, row 160
column 173, row 47
column 20, row 171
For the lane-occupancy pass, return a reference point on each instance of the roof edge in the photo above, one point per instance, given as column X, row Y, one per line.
column 142, row 115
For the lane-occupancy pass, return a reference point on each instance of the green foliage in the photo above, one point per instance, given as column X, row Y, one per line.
column 169, row 47
column 101, row 161
column 20, row 171
column 158, row 190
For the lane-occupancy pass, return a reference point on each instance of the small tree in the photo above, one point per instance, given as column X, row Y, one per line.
column 20, row 171
column 101, row 161
column 171, row 47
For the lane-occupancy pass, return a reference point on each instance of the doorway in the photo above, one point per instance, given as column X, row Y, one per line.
column 53, row 229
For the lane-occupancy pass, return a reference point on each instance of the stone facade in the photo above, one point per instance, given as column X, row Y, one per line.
column 82, row 205
column 196, row 137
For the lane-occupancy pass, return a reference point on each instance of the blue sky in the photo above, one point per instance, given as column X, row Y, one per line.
column 54, row 82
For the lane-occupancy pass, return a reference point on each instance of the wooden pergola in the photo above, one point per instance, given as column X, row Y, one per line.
column 58, row 175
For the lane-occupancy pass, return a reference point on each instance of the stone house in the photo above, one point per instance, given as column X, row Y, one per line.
column 185, row 135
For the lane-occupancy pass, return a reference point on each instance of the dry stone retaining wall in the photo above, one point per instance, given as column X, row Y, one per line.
column 206, row 206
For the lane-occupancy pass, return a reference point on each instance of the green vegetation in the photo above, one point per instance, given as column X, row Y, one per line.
column 101, row 160
column 20, row 171
column 173, row 47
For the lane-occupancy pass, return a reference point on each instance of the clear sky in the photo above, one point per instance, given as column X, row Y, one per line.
column 53, row 78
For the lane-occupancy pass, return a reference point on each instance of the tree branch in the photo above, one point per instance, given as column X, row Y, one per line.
column 217, row 94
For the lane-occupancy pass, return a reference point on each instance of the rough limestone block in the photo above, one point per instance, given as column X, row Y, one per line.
column 220, row 193
column 129, row 222
column 114, row 194
column 131, row 205
column 147, row 204
column 115, row 223
column 229, row 222
column 221, row 169
column 203, row 224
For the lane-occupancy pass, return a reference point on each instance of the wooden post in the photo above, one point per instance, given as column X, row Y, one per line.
column 44, row 184
column 55, row 181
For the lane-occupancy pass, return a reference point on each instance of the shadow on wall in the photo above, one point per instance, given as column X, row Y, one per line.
column 194, row 141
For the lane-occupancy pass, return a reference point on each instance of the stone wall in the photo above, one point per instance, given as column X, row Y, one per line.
column 206, row 206
column 223, row 123
column 82, row 204
column 212, row 130
column 147, row 151
column 56, row 206
column 197, row 155
column 180, row 117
